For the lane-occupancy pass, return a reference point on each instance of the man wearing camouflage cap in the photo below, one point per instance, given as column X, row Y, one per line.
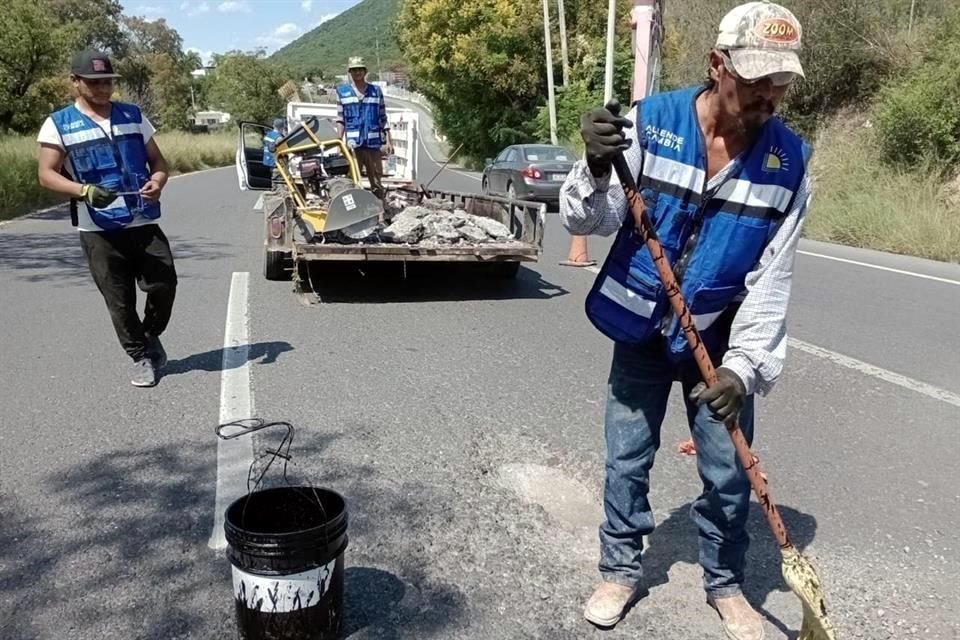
column 726, row 186
column 362, row 118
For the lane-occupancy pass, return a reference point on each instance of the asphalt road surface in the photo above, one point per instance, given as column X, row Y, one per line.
column 462, row 421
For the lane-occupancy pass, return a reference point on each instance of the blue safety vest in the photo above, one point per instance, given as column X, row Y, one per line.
column 361, row 116
column 116, row 164
column 269, row 146
column 712, row 240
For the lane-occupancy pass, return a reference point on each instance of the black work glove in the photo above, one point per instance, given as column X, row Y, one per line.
column 602, row 131
column 97, row 197
column 725, row 398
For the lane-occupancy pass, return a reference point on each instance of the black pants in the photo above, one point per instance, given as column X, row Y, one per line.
column 118, row 260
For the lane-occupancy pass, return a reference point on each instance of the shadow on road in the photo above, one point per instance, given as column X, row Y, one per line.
column 259, row 353
column 675, row 540
column 424, row 282
column 57, row 257
column 121, row 550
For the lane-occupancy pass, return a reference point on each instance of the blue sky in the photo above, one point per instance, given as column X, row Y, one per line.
column 215, row 26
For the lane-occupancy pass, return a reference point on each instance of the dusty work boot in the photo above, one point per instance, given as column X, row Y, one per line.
column 156, row 352
column 740, row 621
column 609, row 602
column 143, row 375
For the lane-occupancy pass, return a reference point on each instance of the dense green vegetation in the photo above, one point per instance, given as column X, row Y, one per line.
column 322, row 53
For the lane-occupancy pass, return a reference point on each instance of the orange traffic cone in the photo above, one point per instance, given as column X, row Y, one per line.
column 578, row 256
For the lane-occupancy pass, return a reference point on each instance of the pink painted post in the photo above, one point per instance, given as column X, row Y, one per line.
column 641, row 20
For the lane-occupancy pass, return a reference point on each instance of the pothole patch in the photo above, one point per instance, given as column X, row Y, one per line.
column 562, row 497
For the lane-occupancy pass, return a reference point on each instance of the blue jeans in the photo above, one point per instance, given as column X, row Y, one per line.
column 638, row 390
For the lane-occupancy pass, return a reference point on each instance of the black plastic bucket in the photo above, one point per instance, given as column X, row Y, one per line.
column 286, row 546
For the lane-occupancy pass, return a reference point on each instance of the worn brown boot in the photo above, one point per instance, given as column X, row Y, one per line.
column 609, row 601
column 740, row 621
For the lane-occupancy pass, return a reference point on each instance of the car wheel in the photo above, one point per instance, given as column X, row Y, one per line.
column 511, row 192
column 485, row 186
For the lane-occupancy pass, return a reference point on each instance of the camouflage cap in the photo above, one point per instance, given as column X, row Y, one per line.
column 763, row 38
column 356, row 62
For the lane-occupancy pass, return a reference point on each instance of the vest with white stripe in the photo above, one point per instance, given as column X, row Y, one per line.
column 361, row 116
column 712, row 240
column 118, row 164
column 269, row 142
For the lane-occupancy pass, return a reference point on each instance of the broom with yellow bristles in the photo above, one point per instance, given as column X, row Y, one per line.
column 798, row 572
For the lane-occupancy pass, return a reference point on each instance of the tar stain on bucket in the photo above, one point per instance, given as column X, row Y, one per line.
column 286, row 548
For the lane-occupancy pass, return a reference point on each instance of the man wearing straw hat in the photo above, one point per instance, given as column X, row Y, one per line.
column 726, row 186
column 362, row 117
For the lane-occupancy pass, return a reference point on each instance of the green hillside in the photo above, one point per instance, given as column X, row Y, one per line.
column 352, row 33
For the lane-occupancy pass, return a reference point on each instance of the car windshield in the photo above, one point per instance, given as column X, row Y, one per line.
column 547, row 154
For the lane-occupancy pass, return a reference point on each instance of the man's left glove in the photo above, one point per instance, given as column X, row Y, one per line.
column 724, row 398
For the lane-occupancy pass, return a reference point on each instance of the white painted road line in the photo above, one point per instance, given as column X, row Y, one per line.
column 871, row 370
column 866, row 368
column 236, row 403
column 879, row 267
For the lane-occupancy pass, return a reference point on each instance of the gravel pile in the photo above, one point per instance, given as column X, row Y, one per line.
column 440, row 222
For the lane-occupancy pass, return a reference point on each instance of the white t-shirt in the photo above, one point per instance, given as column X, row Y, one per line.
column 49, row 135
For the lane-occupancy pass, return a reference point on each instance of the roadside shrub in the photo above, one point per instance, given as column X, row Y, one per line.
column 919, row 116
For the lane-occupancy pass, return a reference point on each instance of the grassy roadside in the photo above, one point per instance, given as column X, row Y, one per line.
column 20, row 193
column 859, row 201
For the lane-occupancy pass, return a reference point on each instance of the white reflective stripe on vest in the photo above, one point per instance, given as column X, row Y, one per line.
column 349, row 100
column 627, row 299
column 666, row 170
column 704, row 320
column 86, row 135
column 126, row 129
column 372, row 100
column 353, row 134
column 752, row 194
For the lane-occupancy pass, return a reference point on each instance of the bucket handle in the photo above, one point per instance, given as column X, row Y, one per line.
column 248, row 426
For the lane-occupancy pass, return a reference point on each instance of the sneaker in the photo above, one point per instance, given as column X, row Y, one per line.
column 608, row 604
column 144, row 375
column 156, row 352
column 740, row 621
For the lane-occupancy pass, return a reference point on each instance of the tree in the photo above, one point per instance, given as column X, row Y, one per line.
column 245, row 86
column 31, row 51
column 156, row 71
column 479, row 62
column 40, row 36
column 89, row 23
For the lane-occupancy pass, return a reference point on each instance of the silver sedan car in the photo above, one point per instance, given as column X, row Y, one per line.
column 529, row 172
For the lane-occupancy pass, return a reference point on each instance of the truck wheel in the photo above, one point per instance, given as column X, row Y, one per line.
column 504, row 270
column 276, row 265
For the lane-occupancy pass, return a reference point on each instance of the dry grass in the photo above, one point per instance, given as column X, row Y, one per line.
column 860, row 201
column 20, row 192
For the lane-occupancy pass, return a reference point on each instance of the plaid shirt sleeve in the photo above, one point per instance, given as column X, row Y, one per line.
column 758, row 337
column 339, row 109
column 597, row 206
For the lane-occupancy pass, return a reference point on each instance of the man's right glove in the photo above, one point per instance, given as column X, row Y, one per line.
column 96, row 197
column 602, row 131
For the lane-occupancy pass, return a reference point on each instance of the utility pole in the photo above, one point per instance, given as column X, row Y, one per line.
column 563, row 42
column 611, row 35
column 379, row 71
column 551, row 98
column 913, row 6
